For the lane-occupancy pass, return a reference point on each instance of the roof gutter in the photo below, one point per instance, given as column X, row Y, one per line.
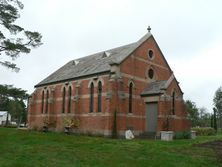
column 72, row 79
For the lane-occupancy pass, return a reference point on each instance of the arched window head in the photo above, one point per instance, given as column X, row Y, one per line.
column 91, row 105
column 63, row 100
column 47, row 101
column 150, row 54
column 151, row 73
column 130, row 96
column 42, row 108
column 99, row 96
column 70, row 100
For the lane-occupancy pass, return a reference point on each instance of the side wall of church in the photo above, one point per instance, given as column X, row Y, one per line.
column 57, row 109
column 55, row 103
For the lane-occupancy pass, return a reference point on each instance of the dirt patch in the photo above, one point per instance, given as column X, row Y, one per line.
column 216, row 146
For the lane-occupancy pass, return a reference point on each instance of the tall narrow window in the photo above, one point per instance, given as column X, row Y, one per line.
column 151, row 73
column 173, row 103
column 42, row 102
column 64, row 100
column 91, row 97
column 130, row 97
column 99, row 96
column 70, row 100
column 47, row 101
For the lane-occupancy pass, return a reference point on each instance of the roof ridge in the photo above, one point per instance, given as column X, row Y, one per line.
column 94, row 63
column 107, row 50
column 139, row 42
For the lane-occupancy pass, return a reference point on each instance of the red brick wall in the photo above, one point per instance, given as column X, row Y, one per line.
column 89, row 122
column 133, row 69
column 136, row 67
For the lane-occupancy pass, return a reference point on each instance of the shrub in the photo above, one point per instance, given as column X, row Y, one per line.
column 9, row 126
column 71, row 122
column 36, row 128
column 219, row 131
column 182, row 135
column 204, row 131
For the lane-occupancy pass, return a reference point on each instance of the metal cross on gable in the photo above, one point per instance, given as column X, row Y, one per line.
column 149, row 28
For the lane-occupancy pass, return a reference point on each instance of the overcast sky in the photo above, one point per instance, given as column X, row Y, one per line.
column 188, row 32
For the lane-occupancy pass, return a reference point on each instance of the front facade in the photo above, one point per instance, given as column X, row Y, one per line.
column 129, row 87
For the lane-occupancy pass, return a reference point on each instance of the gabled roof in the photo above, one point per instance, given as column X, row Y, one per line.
column 154, row 88
column 93, row 64
column 158, row 87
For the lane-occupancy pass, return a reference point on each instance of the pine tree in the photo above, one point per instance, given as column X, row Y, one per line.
column 13, row 38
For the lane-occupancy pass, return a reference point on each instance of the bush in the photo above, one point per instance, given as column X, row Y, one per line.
column 204, row 131
column 182, row 135
column 219, row 131
column 9, row 126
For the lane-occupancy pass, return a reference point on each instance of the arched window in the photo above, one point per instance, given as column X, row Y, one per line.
column 47, row 101
column 99, row 96
column 130, row 96
column 70, row 100
column 150, row 54
column 91, row 97
column 173, row 103
column 42, row 102
column 151, row 73
column 64, row 100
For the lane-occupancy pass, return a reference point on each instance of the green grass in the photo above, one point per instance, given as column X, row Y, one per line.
column 36, row 149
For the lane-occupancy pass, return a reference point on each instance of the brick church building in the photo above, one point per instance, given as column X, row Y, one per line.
column 128, row 87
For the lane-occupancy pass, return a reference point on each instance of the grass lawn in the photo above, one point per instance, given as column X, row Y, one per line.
column 26, row 148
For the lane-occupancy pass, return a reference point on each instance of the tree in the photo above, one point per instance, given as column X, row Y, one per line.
column 193, row 113
column 217, row 101
column 198, row 116
column 204, row 117
column 212, row 121
column 215, row 119
column 13, row 38
column 16, row 108
column 12, row 100
column 7, row 91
